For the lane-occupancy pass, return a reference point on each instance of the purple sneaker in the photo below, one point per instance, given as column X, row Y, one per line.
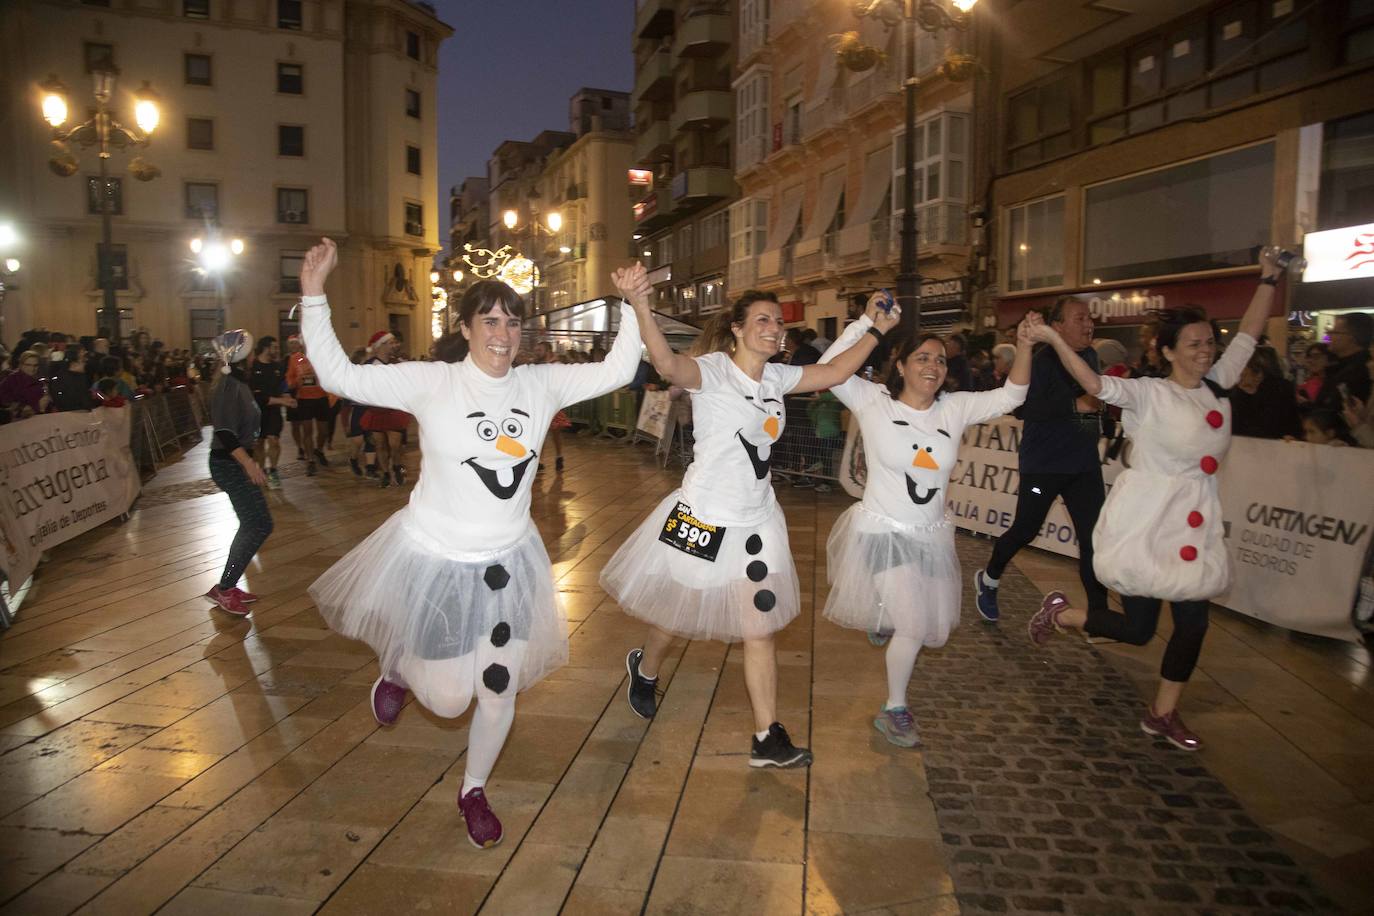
column 387, row 700
column 484, row 829
column 1171, row 729
column 1044, row 623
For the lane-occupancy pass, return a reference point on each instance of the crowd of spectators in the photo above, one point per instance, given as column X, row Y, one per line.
column 48, row 371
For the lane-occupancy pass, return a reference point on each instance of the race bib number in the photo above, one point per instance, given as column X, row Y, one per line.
column 691, row 535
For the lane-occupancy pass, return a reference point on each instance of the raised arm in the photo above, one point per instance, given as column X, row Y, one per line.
column 1082, row 373
column 843, row 364
column 855, row 388
column 984, row 405
column 1262, row 302
column 675, row 368
column 569, row 384
column 399, row 386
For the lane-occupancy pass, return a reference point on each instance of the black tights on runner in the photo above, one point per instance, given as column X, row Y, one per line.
column 255, row 519
column 1138, row 624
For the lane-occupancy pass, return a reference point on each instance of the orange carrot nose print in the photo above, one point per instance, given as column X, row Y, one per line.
column 770, row 426
column 510, row 447
column 923, row 460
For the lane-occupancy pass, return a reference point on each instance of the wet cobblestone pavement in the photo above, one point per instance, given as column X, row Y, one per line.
column 1049, row 797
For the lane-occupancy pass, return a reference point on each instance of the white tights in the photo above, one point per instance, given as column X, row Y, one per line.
column 491, row 722
column 901, row 661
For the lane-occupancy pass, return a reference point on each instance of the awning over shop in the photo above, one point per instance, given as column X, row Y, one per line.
column 598, row 317
column 827, row 202
column 1222, row 297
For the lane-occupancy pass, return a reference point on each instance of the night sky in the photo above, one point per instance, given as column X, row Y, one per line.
column 510, row 67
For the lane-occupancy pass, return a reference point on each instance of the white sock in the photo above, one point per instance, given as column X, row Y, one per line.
column 989, row 581
column 491, row 723
column 901, row 661
column 761, row 735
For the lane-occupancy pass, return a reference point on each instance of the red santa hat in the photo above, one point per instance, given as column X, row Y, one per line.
column 376, row 340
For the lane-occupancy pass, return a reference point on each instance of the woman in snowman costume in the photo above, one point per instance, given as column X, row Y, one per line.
column 890, row 558
column 455, row 591
column 1160, row 535
column 712, row 561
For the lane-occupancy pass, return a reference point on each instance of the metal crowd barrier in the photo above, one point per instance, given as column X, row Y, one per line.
column 809, row 452
column 166, row 422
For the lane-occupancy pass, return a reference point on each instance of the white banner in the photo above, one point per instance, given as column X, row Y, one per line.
column 653, row 413
column 1298, row 518
column 61, row 475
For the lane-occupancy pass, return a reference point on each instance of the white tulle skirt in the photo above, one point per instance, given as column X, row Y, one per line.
column 749, row 591
column 887, row 577
column 447, row 627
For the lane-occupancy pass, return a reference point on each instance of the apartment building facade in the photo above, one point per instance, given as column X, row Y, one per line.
column 819, row 161
column 684, row 124
column 281, row 122
column 1143, row 156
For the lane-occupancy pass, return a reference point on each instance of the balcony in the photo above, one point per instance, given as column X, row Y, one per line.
column 783, row 14
column 703, row 35
column 829, row 114
column 875, row 87
column 654, row 18
column 703, row 109
column 654, row 81
column 696, row 187
column 654, row 210
column 655, row 140
column 867, row 246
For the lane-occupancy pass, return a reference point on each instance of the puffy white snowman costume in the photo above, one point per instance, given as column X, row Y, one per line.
column 455, row 591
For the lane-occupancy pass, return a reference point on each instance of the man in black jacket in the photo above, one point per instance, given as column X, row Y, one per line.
column 1058, row 457
column 1351, row 336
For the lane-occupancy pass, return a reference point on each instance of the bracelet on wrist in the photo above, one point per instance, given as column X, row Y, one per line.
column 875, row 332
column 1271, row 280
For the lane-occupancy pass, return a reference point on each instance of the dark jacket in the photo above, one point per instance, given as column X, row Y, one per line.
column 1353, row 372
column 1270, row 413
column 70, row 390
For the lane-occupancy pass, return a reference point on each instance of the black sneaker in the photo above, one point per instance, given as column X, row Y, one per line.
column 357, row 468
column 642, row 692
column 400, row 474
column 372, row 471
column 777, row 751
column 558, row 463
column 320, row 459
column 386, row 481
column 310, row 469
column 986, row 597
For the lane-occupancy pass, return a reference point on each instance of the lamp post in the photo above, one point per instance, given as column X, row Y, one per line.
column 553, row 223
column 929, row 16
column 214, row 258
column 103, row 132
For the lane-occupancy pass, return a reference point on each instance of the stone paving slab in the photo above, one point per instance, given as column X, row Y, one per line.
column 1050, row 799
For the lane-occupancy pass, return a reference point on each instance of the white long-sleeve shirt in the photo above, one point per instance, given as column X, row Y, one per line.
column 480, row 436
column 911, row 453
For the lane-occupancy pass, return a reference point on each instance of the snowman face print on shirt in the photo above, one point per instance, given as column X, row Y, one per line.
column 504, row 466
column 924, row 469
column 770, row 428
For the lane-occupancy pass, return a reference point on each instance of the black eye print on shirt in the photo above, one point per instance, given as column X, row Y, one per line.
column 486, row 430
column 511, row 427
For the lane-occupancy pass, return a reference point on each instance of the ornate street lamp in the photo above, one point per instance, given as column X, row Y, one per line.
column 524, row 277
column 105, row 133
column 929, row 16
column 214, row 258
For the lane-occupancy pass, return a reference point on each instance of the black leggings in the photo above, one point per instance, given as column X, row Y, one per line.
column 1138, row 624
column 255, row 519
column 1083, row 497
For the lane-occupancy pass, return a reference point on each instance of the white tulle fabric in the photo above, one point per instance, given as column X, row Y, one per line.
column 887, row 577
column 448, row 626
column 750, row 591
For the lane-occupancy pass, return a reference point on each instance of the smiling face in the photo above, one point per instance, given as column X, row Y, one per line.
column 493, row 339
column 503, row 434
column 923, row 371
column 761, row 333
column 1195, row 350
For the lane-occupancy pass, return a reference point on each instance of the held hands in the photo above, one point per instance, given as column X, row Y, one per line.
column 1353, row 411
column 633, row 285
column 1025, row 331
column 319, row 261
column 883, row 312
column 1039, row 331
column 1269, row 261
